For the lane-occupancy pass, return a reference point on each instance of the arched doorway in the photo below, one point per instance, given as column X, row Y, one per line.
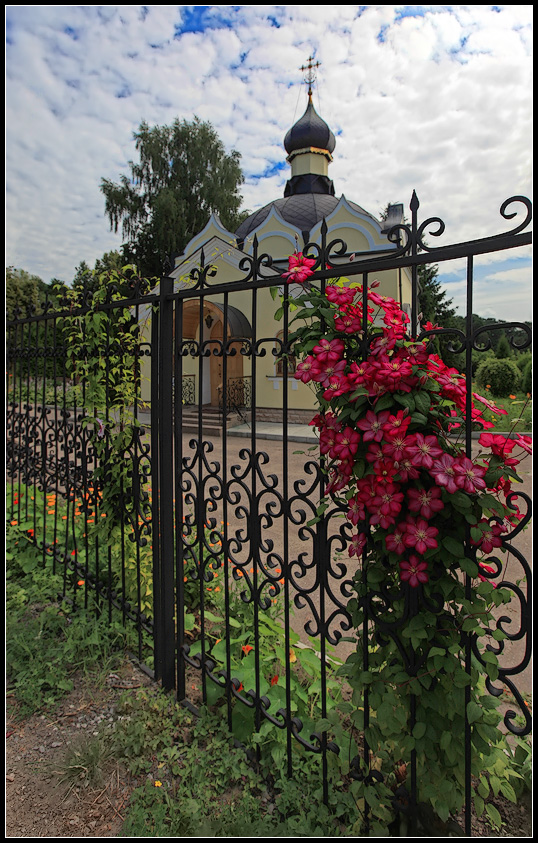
column 207, row 325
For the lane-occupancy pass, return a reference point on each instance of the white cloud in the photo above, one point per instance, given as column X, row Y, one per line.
column 438, row 102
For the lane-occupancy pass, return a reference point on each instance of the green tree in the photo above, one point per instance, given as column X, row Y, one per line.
column 503, row 349
column 23, row 289
column 183, row 175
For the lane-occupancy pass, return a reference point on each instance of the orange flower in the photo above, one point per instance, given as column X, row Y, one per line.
column 80, row 582
column 274, row 680
column 512, row 397
column 247, row 648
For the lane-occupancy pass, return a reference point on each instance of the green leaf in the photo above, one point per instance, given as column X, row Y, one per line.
column 453, row 546
column 474, row 712
column 479, row 805
column 419, row 730
column 494, row 815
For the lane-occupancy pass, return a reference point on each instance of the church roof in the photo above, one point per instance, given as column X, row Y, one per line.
column 302, row 210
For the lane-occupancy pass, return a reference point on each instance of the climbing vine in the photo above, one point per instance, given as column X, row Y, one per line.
column 422, row 522
column 104, row 347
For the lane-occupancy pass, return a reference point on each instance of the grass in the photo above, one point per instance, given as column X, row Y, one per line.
column 190, row 778
column 517, row 417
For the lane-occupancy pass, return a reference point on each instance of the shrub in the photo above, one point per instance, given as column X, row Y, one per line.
column 526, row 383
column 501, row 376
column 522, row 360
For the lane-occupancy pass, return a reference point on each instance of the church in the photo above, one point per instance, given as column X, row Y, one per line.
column 281, row 227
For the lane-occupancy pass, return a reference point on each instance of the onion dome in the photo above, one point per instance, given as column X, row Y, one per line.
column 310, row 132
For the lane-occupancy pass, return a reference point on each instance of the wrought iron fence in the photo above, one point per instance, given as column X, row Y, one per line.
column 209, row 539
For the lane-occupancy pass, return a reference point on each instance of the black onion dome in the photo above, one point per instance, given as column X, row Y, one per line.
column 310, row 131
column 303, row 211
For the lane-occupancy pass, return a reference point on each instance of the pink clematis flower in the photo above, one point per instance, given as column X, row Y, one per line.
column 372, row 424
column 525, row 442
column 420, row 535
column 425, row 501
column 469, row 476
column 424, row 450
column 299, row 268
column 357, row 544
column 413, row 571
column 491, row 537
column 489, row 405
column 444, row 474
column 339, row 295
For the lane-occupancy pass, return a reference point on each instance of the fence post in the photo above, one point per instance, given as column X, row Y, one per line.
column 163, row 487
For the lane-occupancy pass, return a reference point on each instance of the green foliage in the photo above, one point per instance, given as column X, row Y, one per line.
column 24, row 290
column 47, row 642
column 526, row 383
column 502, row 377
column 503, row 350
column 199, row 783
column 184, row 174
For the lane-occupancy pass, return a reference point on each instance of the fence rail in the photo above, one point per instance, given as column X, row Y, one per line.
column 200, row 547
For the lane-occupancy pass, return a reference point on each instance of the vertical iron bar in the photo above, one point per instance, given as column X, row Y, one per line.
column 179, row 513
column 285, row 513
column 224, row 546
column 468, row 595
column 166, row 477
column 200, row 503
column 155, row 486
column 414, row 206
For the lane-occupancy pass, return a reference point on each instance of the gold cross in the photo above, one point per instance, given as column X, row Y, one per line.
column 310, row 74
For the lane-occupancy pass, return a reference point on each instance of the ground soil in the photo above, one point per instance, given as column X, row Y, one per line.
column 38, row 804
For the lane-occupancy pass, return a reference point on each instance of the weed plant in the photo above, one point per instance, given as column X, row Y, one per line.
column 46, row 642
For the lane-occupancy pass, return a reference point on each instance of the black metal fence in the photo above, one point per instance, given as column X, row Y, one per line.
column 214, row 553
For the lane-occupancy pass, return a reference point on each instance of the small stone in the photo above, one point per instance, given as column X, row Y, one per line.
column 56, row 743
column 10, row 777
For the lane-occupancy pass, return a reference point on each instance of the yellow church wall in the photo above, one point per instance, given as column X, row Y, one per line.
column 269, row 383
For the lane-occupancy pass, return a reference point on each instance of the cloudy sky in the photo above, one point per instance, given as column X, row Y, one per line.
column 436, row 99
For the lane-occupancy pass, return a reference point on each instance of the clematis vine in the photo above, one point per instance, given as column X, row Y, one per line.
column 388, row 410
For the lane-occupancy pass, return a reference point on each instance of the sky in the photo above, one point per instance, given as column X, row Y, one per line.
column 436, row 99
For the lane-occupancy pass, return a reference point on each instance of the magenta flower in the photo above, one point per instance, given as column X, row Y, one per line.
column 469, row 476
column 425, row 501
column 424, row 450
column 299, row 268
column 372, row 424
column 356, row 511
column 328, row 351
column 304, row 370
column 525, row 442
column 420, row 535
column 357, row 544
column 394, row 541
column 491, row 537
column 397, row 424
column 413, row 571
column 336, row 385
column 339, row 295
column 389, row 500
column 346, row 444
column 489, row 405
column 444, row 474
